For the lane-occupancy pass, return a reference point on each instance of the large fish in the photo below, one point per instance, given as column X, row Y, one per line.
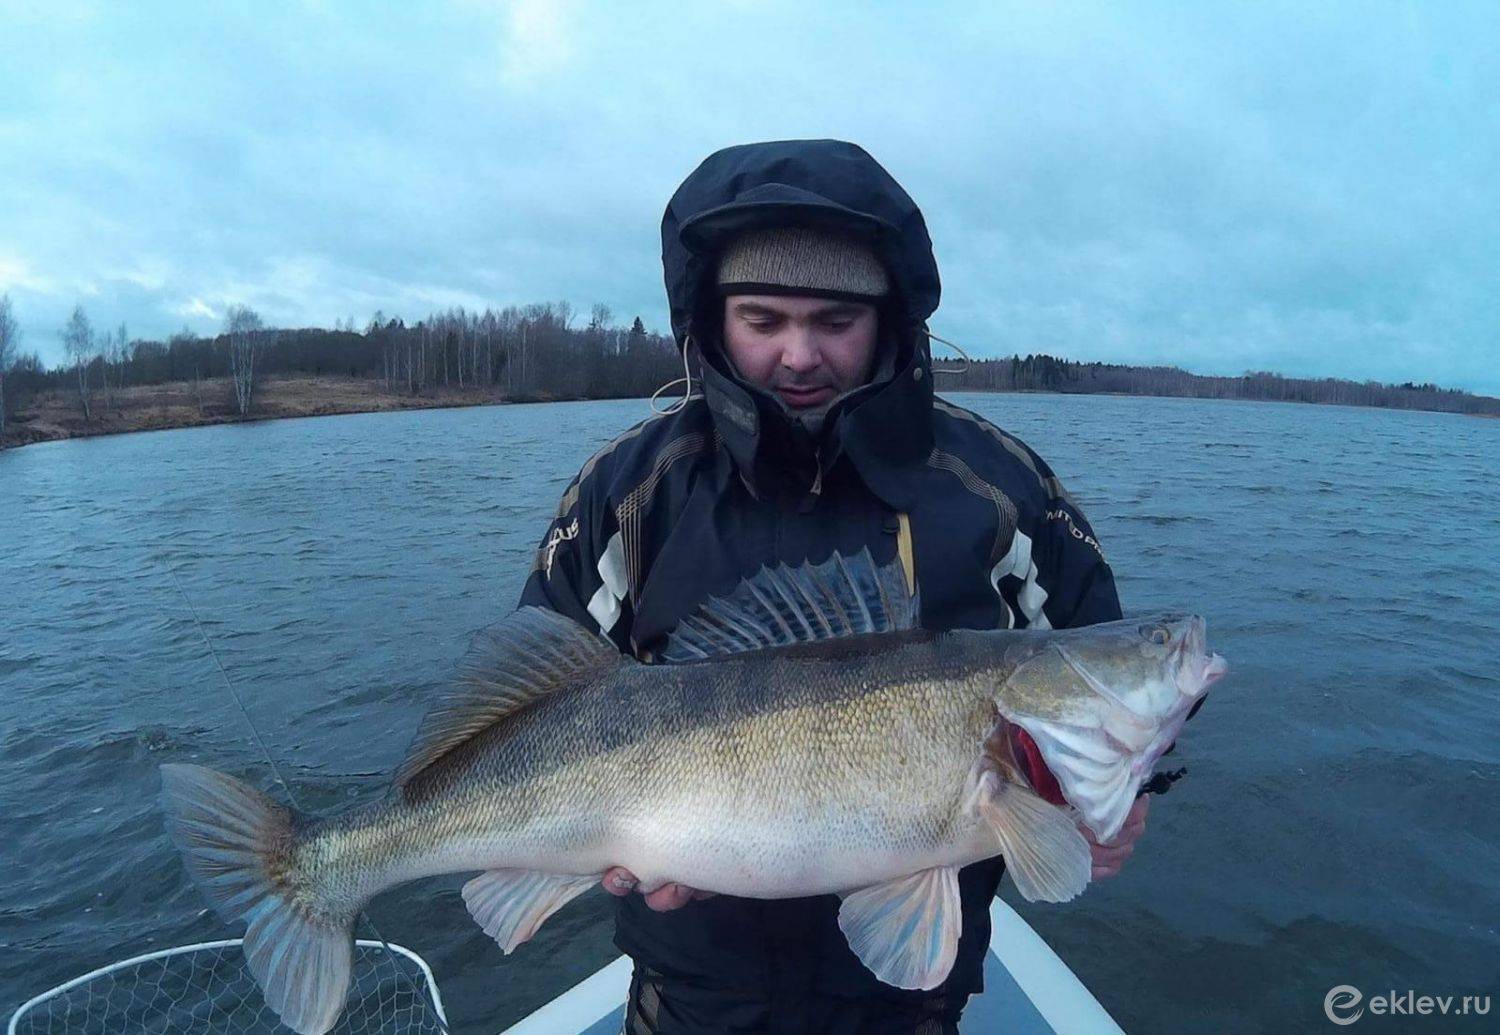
column 806, row 738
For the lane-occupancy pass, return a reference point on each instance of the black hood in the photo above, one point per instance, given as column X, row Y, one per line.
column 825, row 183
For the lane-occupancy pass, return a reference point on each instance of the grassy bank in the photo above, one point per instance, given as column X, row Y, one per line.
column 57, row 415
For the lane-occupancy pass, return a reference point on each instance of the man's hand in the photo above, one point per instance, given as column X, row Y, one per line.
column 1108, row 859
column 620, row 881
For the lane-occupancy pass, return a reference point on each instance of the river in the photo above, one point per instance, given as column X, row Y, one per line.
column 1339, row 823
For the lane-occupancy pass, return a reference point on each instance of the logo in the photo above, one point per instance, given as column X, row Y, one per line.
column 1345, row 1004
column 1074, row 531
column 559, row 535
column 1341, row 1004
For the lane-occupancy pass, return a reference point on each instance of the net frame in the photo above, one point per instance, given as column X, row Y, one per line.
column 428, row 981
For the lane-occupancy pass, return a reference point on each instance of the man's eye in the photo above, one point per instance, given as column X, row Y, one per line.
column 838, row 326
column 763, row 326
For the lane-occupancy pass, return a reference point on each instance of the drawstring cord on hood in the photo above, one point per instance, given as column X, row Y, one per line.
column 687, row 379
column 952, row 345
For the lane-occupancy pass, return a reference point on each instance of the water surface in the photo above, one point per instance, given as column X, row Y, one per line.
column 1338, row 824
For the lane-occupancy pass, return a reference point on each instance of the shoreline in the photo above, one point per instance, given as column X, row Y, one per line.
column 55, row 416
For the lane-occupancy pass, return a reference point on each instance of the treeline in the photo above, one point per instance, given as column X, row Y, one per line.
column 540, row 351
column 1042, row 373
column 534, row 351
column 545, row 351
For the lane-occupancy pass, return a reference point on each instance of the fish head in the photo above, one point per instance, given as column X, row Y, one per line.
column 1149, row 665
column 1089, row 711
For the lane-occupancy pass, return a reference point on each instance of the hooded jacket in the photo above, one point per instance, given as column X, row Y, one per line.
column 684, row 506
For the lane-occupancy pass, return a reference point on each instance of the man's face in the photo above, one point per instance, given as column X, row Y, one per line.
column 808, row 351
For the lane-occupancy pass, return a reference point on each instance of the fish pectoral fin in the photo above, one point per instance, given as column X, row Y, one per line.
column 511, row 904
column 906, row 930
column 1046, row 855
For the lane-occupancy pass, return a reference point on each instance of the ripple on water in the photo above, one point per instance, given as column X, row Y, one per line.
column 1337, row 823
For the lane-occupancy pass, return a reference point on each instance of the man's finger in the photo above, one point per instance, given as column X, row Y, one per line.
column 668, row 897
column 1112, row 853
column 617, row 880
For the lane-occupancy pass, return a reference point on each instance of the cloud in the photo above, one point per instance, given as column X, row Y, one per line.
column 16, row 275
column 1272, row 186
column 194, row 307
column 537, row 41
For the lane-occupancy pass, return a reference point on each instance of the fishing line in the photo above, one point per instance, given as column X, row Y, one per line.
column 229, row 684
column 276, row 771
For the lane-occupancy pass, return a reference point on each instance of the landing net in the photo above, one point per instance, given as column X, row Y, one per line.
column 208, row 988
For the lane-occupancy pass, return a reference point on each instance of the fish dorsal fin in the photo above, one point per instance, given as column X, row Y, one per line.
column 518, row 660
column 782, row 606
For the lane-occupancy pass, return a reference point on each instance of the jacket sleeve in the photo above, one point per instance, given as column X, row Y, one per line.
column 1065, row 581
column 579, row 568
column 1070, row 562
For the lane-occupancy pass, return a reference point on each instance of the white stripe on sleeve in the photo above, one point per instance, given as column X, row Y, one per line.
column 1018, row 562
column 604, row 605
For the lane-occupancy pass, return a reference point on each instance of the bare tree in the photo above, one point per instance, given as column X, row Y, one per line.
column 113, row 352
column 122, row 355
column 10, row 337
column 247, row 340
column 78, row 342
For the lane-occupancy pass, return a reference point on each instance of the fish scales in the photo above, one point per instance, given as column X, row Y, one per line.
column 774, row 759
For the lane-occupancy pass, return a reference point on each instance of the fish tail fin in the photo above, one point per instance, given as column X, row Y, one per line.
column 238, row 846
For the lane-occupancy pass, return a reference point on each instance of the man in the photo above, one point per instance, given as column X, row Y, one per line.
column 800, row 277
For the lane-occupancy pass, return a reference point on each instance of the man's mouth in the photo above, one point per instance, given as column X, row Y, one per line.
column 801, row 397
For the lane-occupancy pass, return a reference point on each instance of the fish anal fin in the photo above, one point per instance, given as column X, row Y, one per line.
column 906, row 930
column 524, row 657
column 1044, row 851
column 512, row 904
column 784, row 606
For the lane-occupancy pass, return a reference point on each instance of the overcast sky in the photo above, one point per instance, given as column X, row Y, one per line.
column 1308, row 188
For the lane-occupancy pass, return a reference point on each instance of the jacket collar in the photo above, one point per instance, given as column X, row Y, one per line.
column 881, row 428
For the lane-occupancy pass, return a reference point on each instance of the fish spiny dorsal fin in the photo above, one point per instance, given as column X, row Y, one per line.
column 782, row 606
column 516, row 661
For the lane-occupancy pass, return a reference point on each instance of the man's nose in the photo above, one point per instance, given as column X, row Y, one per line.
column 800, row 353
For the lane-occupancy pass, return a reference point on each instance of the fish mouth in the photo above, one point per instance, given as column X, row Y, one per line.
column 1197, row 669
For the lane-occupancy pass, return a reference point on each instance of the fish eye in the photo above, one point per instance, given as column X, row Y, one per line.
column 1158, row 634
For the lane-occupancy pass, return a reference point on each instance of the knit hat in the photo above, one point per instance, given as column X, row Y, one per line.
column 801, row 260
